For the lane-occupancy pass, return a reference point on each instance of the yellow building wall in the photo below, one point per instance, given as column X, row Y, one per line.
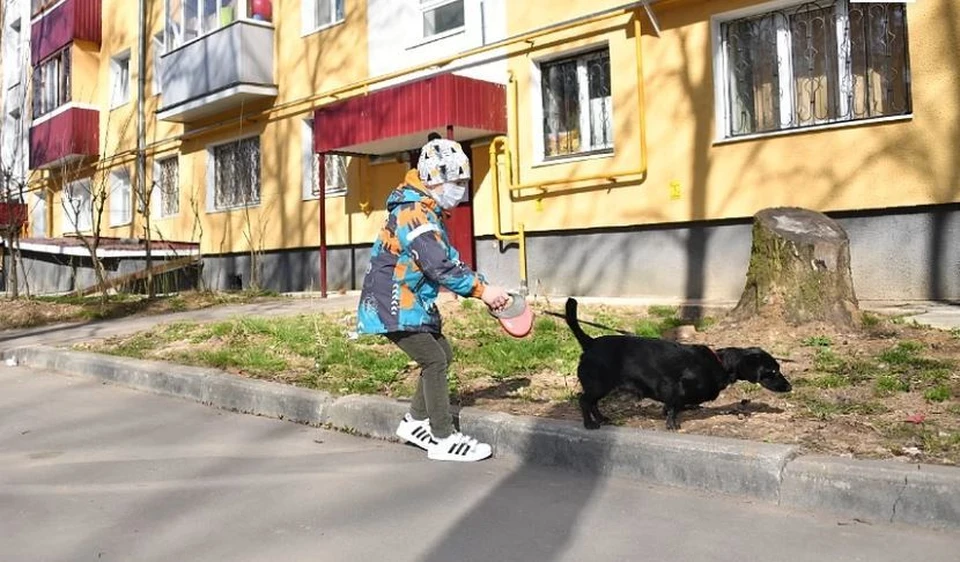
column 691, row 176
column 304, row 65
column 869, row 165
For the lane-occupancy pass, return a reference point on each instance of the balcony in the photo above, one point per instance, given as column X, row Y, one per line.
column 218, row 72
column 13, row 215
column 66, row 135
column 69, row 21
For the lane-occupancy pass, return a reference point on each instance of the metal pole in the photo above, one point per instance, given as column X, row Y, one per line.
column 322, row 188
column 141, row 138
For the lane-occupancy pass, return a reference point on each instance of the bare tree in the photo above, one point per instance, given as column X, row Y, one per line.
column 196, row 232
column 84, row 198
column 14, row 177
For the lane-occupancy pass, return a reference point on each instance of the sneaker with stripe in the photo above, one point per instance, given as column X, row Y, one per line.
column 459, row 447
column 416, row 432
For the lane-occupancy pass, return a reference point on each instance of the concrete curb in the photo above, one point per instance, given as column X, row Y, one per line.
column 922, row 495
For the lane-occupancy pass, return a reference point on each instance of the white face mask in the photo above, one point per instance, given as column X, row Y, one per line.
column 449, row 194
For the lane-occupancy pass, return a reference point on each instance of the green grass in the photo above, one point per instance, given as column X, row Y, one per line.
column 662, row 311
column 890, row 384
column 826, row 409
column 870, row 320
column 938, row 393
column 817, row 341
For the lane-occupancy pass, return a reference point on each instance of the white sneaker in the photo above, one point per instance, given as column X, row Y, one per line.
column 459, row 447
column 416, row 432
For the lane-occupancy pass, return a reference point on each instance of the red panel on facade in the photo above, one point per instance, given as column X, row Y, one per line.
column 428, row 104
column 71, row 21
column 75, row 132
column 12, row 214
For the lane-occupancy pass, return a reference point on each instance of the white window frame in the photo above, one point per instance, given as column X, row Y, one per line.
column 335, row 168
column 211, row 176
column 427, row 6
column 588, row 150
column 120, row 79
column 159, row 48
column 38, row 214
column 77, row 217
column 158, row 196
column 308, row 15
column 52, row 82
column 175, row 27
column 721, row 73
column 121, row 197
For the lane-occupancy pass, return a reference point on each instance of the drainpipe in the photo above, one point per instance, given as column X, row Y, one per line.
column 141, row 137
column 322, row 186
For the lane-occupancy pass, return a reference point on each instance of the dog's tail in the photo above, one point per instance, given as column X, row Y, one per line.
column 571, row 317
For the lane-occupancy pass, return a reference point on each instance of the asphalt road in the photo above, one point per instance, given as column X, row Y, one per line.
column 100, row 473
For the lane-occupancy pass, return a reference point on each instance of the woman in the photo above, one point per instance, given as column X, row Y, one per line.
column 409, row 263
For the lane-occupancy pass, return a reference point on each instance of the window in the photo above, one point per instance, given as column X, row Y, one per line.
column 158, row 50
column 335, row 168
column 13, row 50
column 51, row 83
column 317, row 14
column 38, row 215
column 77, row 206
column 577, row 109
column 166, row 187
column 441, row 16
column 37, row 6
column 811, row 64
column 119, row 79
column 187, row 20
column 236, row 174
column 121, row 198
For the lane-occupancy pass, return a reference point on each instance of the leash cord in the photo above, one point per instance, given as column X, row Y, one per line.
column 594, row 324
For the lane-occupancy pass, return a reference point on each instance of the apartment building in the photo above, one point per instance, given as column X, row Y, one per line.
column 618, row 148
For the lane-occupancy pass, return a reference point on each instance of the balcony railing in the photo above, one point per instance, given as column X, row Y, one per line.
column 218, row 72
column 69, row 21
column 66, row 135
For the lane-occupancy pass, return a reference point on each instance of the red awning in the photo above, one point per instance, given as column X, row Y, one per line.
column 399, row 118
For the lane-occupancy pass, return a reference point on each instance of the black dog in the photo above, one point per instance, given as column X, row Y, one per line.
column 678, row 375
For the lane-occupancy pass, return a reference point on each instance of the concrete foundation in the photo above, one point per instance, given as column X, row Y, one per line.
column 903, row 254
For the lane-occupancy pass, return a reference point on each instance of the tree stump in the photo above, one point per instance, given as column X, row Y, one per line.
column 799, row 270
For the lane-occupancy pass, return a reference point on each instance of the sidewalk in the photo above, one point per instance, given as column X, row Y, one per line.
column 893, row 491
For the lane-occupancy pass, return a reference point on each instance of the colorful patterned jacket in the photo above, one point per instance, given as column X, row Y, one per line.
column 411, row 259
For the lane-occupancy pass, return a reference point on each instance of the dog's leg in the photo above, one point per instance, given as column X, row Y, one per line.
column 670, row 411
column 602, row 419
column 587, row 406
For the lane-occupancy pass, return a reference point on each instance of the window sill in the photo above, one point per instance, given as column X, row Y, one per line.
column 438, row 37
column 115, row 106
column 333, row 195
column 126, row 222
column 323, row 27
column 592, row 155
column 63, row 108
column 814, row 129
column 231, row 209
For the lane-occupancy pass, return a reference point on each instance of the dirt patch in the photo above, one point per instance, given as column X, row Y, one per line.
column 834, row 408
column 42, row 311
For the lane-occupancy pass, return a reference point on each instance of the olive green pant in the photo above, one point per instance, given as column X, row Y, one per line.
column 432, row 397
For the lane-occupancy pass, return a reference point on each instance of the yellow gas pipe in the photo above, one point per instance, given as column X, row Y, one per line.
column 520, row 236
column 511, row 147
